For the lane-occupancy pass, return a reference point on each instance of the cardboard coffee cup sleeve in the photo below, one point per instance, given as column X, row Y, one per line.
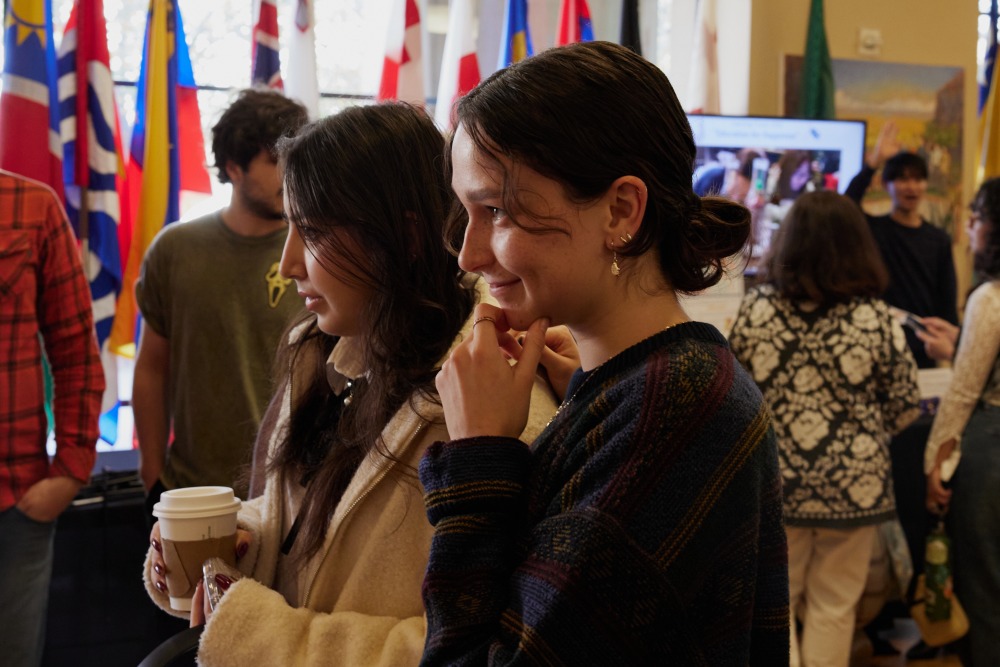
column 180, row 582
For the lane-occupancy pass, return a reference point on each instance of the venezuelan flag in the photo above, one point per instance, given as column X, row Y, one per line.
column 516, row 44
column 29, row 117
column 166, row 155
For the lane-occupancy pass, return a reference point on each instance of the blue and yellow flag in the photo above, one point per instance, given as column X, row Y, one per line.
column 516, row 44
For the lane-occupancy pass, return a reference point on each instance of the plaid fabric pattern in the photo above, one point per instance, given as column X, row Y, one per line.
column 44, row 296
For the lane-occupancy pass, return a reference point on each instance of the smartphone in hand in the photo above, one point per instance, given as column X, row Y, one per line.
column 908, row 319
column 217, row 573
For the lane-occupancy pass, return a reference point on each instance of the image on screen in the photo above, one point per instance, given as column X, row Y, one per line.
column 765, row 163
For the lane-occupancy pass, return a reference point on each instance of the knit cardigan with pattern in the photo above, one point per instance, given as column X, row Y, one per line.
column 642, row 527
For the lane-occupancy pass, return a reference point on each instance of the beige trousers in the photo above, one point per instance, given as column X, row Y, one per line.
column 827, row 569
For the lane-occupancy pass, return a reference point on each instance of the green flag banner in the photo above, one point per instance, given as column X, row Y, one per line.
column 816, row 100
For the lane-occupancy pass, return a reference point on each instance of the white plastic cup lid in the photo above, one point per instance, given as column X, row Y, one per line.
column 196, row 502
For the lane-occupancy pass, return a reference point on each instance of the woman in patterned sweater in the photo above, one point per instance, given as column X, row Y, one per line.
column 643, row 526
column 834, row 367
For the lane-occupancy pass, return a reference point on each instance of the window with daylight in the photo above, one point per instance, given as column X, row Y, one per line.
column 350, row 38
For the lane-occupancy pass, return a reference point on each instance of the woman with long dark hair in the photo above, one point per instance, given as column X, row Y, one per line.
column 965, row 441
column 643, row 526
column 338, row 541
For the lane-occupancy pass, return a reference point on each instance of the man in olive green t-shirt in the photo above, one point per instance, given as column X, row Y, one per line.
column 214, row 308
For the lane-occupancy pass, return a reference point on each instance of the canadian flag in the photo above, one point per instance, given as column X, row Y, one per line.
column 459, row 64
column 402, row 69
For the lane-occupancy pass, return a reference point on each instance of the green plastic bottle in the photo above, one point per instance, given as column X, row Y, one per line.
column 937, row 576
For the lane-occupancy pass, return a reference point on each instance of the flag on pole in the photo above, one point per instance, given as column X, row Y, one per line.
column 93, row 167
column 515, row 44
column 29, row 106
column 402, row 68
column 630, row 26
column 301, row 82
column 459, row 64
column 989, row 132
column 703, row 83
column 167, row 151
column 574, row 23
column 816, row 98
column 985, row 74
column 265, row 66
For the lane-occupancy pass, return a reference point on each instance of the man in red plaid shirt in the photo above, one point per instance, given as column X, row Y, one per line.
column 44, row 298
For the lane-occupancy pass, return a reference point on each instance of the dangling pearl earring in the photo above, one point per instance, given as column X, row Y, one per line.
column 616, row 270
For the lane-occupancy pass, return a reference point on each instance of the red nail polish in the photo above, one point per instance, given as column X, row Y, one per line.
column 223, row 581
column 156, row 545
column 241, row 550
column 160, row 586
column 157, row 569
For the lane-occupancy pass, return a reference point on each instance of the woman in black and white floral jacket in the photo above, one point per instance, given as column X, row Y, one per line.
column 833, row 365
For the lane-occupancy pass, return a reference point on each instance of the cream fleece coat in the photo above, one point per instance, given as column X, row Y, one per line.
column 360, row 598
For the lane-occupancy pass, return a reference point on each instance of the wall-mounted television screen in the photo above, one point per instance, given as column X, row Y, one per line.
column 765, row 163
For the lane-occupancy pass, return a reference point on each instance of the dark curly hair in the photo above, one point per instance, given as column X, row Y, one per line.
column 587, row 114
column 986, row 204
column 254, row 123
column 904, row 164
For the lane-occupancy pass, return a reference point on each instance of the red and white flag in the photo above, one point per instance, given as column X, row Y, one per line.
column 703, row 86
column 459, row 64
column 403, row 68
column 300, row 77
column 265, row 65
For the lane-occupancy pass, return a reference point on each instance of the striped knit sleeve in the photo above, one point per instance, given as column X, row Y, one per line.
column 473, row 488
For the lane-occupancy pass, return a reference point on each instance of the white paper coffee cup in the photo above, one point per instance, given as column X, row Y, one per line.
column 196, row 523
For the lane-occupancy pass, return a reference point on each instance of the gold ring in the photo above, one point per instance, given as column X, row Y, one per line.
column 484, row 318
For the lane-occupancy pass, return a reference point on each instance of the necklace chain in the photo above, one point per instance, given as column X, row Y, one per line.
column 565, row 404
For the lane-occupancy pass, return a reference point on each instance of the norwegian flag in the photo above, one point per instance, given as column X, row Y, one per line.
column 402, row 69
column 574, row 23
column 266, row 68
column 459, row 64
